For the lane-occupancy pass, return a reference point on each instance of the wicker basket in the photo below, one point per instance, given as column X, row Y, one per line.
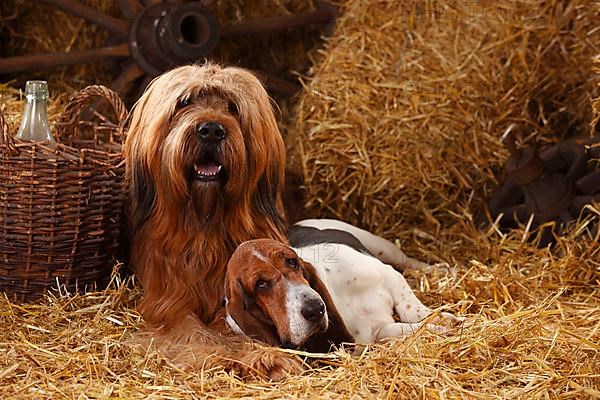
column 61, row 207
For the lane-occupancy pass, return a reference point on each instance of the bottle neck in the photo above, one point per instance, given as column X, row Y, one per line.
column 34, row 125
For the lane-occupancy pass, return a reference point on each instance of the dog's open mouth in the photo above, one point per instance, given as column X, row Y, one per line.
column 208, row 170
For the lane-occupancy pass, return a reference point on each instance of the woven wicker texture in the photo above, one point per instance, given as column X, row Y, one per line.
column 60, row 208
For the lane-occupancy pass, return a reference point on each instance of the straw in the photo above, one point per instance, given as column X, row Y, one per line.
column 398, row 131
column 532, row 330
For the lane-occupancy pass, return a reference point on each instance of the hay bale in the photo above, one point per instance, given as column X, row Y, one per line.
column 399, row 126
column 595, row 125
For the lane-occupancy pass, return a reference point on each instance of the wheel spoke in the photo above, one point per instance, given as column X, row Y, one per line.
column 148, row 3
column 281, row 86
column 129, row 74
column 74, row 7
column 145, row 82
column 130, row 8
column 274, row 24
column 59, row 59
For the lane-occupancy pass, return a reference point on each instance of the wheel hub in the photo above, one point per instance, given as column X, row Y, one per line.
column 165, row 35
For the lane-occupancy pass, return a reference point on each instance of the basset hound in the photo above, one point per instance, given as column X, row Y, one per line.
column 274, row 296
column 327, row 289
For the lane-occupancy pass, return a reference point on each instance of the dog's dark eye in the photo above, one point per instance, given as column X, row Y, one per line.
column 184, row 102
column 232, row 108
column 262, row 284
column 293, row 263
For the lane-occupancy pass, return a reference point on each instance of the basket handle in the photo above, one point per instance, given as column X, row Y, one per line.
column 6, row 139
column 69, row 121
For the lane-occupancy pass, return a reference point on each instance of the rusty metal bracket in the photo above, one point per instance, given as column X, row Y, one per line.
column 551, row 184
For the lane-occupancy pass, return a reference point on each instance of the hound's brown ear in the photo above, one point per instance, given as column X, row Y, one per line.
column 336, row 332
column 247, row 298
column 246, row 314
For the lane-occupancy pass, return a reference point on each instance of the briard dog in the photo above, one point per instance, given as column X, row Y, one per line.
column 205, row 172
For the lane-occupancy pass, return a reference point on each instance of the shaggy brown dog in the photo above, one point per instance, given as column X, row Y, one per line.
column 205, row 172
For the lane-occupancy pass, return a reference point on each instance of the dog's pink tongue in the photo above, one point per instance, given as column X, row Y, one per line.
column 210, row 168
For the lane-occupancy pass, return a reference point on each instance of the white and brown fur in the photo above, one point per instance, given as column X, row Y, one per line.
column 274, row 296
column 373, row 300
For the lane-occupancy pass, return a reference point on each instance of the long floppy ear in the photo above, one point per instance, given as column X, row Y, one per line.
column 268, row 148
column 336, row 332
column 268, row 197
column 137, row 147
column 142, row 196
column 242, row 308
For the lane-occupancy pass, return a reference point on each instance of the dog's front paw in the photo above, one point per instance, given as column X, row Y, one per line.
column 450, row 319
column 270, row 363
column 444, row 322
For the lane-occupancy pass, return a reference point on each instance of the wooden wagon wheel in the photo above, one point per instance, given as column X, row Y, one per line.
column 155, row 35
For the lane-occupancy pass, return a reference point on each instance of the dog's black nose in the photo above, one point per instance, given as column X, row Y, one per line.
column 288, row 345
column 313, row 310
column 211, row 131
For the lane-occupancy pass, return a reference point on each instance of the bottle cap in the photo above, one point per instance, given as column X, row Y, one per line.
column 36, row 89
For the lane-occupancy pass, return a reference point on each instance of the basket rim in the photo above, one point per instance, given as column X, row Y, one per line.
column 68, row 129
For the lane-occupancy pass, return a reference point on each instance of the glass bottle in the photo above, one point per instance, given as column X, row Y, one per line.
column 34, row 125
